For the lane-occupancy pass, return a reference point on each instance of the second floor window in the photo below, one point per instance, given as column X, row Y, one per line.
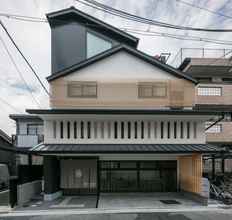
column 217, row 128
column 34, row 129
column 82, row 89
column 209, row 91
column 152, row 90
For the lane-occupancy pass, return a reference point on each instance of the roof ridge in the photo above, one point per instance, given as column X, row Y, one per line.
column 115, row 49
column 93, row 19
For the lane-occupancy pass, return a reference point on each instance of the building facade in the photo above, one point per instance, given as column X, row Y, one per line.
column 7, row 154
column 119, row 120
column 214, row 91
column 29, row 133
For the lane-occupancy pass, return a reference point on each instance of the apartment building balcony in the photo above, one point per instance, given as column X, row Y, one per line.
column 220, row 133
column 27, row 141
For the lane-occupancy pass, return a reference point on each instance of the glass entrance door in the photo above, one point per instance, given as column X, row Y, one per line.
column 78, row 176
column 138, row 176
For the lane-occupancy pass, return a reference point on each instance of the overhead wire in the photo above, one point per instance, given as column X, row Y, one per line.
column 19, row 72
column 205, row 9
column 131, row 30
column 25, row 59
column 132, row 17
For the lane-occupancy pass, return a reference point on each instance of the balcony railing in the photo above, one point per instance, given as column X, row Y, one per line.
column 27, row 140
column 199, row 53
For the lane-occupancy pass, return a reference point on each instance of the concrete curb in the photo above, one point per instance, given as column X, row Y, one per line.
column 5, row 209
column 113, row 211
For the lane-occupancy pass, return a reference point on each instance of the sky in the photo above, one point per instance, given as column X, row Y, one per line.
column 34, row 40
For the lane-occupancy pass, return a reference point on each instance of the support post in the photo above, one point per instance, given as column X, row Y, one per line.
column 223, row 165
column 213, row 167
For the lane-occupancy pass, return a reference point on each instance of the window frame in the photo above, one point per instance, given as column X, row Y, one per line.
column 154, row 86
column 207, row 124
column 208, row 93
column 33, row 124
column 82, row 84
column 89, row 31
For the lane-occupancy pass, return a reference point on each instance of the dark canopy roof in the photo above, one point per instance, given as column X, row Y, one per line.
column 23, row 116
column 125, row 148
column 65, row 15
column 135, row 52
column 124, row 111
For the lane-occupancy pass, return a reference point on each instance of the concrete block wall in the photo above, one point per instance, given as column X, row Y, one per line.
column 27, row 191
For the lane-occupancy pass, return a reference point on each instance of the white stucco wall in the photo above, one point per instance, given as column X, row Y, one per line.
column 107, row 138
column 119, row 66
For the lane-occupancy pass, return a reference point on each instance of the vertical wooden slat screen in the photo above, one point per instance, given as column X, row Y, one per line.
column 190, row 170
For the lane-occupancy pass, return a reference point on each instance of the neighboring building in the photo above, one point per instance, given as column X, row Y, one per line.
column 29, row 133
column 119, row 120
column 7, row 153
column 213, row 69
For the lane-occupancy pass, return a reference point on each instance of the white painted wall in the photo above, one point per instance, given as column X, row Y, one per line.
column 120, row 66
column 27, row 140
column 105, row 138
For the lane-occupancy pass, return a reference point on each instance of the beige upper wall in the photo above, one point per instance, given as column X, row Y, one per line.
column 117, row 80
column 224, row 99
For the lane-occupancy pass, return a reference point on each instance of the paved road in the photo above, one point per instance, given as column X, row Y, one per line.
column 133, row 216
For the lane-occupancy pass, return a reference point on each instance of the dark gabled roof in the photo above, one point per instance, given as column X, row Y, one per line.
column 124, row 111
column 5, row 137
column 135, row 52
column 59, row 17
column 125, row 148
column 15, row 150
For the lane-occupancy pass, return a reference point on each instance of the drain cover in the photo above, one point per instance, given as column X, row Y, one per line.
column 170, row 202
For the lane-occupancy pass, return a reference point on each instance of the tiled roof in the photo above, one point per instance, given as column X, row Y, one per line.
column 125, row 148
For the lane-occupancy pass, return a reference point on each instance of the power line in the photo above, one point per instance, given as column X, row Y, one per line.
column 19, row 72
column 132, row 17
column 135, row 31
column 11, row 106
column 25, row 59
column 203, row 8
column 16, row 16
column 175, row 36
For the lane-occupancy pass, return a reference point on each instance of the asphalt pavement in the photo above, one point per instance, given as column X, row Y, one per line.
column 219, row 215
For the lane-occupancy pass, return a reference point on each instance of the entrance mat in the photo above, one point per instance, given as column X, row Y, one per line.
column 169, row 202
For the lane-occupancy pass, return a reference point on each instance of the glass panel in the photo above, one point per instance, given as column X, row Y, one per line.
column 150, row 181
column 79, row 174
column 159, row 91
column 89, row 90
column 149, row 176
column 32, row 129
column 74, row 90
column 145, row 91
column 169, row 180
column 96, row 45
column 123, row 180
column 109, row 164
column 149, row 164
column 128, row 164
column 209, row 91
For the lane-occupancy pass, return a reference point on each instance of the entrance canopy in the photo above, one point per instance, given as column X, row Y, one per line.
column 124, row 148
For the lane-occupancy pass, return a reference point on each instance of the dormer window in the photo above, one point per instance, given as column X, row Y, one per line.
column 96, row 44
